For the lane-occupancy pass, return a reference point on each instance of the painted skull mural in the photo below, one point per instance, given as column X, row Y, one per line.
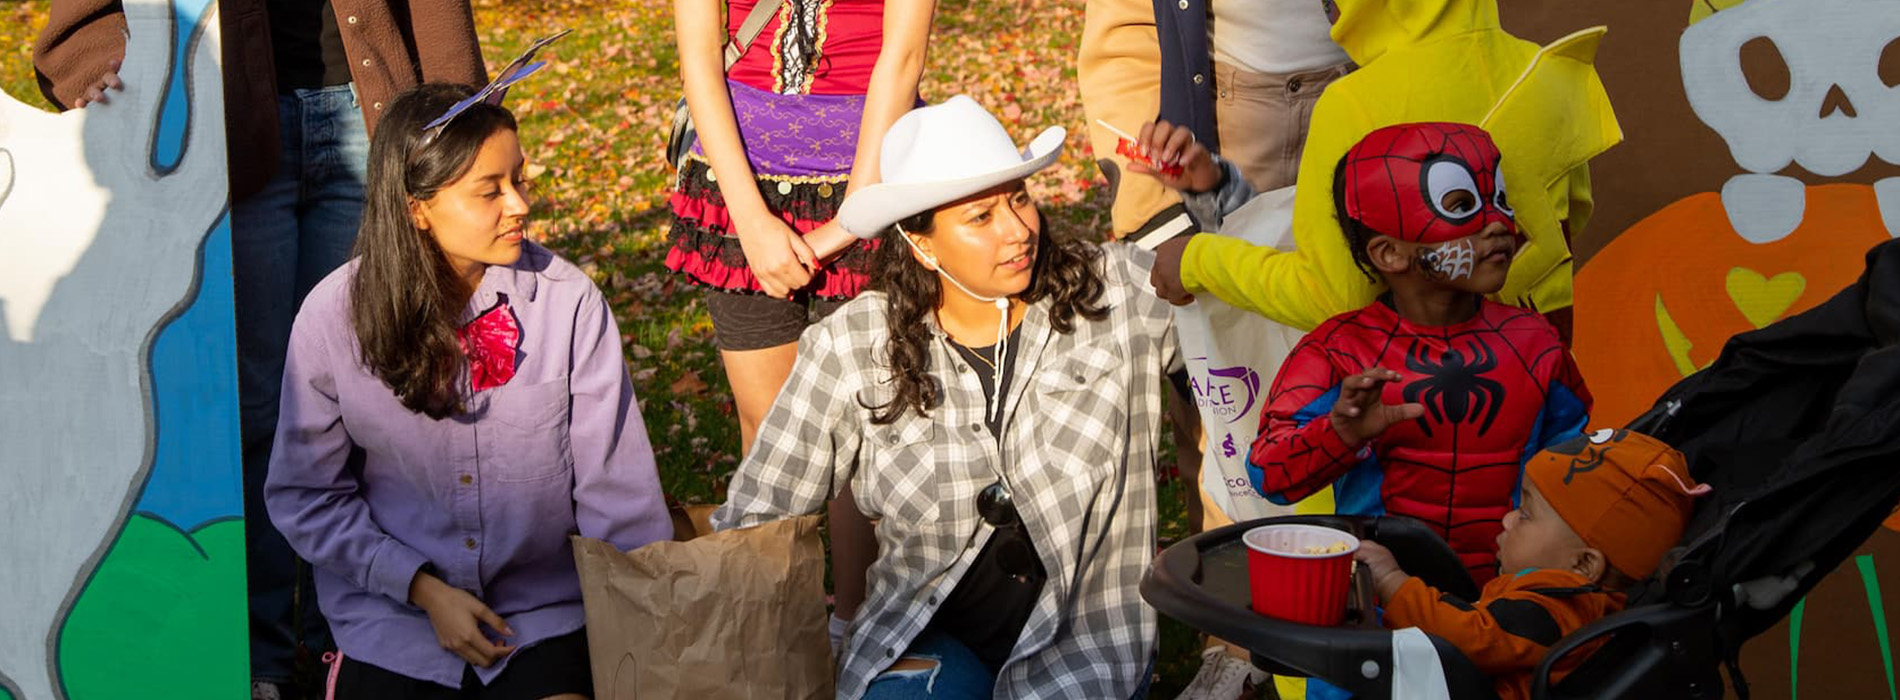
column 1807, row 83
column 1800, row 94
column 1755, row 177
column 123, row 536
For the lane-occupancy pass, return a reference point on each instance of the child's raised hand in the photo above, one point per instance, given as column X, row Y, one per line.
column 1387, row 577
column 1359, row 415
column 1160, row 147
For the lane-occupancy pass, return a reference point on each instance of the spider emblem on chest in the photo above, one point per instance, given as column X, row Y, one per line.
column 1454, row 389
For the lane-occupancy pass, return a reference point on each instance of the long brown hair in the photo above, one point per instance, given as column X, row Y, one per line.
column 406, row 300
column 1064, row 273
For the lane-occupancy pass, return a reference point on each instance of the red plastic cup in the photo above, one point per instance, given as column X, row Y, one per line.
column 1294, row 578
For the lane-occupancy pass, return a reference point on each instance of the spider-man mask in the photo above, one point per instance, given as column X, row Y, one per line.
column 1426, row 183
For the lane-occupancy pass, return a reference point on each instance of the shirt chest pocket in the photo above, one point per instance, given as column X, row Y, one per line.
column 524, row 433
column 902, row 477
column 1081, row 404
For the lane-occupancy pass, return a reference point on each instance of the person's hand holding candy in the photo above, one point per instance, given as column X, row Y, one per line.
column 1172, row 155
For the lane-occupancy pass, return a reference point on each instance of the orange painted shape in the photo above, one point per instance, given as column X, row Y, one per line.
column 1687, row 260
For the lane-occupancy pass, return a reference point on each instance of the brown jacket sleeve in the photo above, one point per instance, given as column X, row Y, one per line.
column 78, row 44
column 1119, row 69
column 396, row 46
column 447, row 50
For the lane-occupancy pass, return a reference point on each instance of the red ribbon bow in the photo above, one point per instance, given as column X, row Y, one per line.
column 489, row 341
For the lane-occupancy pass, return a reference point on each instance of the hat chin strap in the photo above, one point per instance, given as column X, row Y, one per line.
column 1002, row 322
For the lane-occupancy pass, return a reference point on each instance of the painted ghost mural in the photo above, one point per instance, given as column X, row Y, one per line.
column 121, row 523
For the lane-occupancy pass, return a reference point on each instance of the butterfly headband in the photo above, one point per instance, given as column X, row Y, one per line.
column 496, row 89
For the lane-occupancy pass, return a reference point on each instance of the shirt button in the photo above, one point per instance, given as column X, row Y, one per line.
column 466, row 480
column 378, row 106
column 933, row 600
column 1182, row 4
column 1078, row 379
column 351, row 20
column 890, row 653
column 470, row 543
column 976, row 427
column 366, row 63
column 891, row 438
column 1198, row 79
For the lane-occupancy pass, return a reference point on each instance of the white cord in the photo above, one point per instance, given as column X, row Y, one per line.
column 1002, row 325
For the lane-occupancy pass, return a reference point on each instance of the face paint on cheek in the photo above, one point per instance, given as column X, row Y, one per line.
column 1453, row 260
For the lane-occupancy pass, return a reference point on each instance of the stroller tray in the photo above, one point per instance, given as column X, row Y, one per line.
column 1203, row 582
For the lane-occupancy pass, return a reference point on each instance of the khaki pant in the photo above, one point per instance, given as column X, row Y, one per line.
column 1262, row 119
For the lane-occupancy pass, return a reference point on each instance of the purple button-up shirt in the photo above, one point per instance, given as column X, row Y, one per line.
column 369, row 491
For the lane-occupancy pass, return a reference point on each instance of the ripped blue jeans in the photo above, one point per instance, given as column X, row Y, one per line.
column 958, row 675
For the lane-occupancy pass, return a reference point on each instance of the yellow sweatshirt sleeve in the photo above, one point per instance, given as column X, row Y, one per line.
column 1299, row 289
column 1318, row 279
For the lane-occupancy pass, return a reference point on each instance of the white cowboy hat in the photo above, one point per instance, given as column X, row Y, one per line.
column 939, row 154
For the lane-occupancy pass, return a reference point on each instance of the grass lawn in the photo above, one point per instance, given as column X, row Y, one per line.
column 593, row 126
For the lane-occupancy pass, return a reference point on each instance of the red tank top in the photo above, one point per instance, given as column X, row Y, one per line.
column 833, row 55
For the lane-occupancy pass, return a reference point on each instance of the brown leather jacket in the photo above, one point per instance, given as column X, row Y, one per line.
column 392, row 46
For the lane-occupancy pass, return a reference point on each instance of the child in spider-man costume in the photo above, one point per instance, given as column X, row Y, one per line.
column 1426, row 402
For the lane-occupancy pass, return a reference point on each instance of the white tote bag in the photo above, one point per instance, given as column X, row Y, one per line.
column 1232, row 357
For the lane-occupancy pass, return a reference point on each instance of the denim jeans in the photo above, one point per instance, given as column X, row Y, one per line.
column 285, row 239
column 959, row 674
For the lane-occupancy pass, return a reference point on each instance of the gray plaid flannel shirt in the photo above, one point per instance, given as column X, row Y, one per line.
column 1079, row 444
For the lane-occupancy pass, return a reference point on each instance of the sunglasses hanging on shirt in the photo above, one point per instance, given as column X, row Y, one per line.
column 998, row 508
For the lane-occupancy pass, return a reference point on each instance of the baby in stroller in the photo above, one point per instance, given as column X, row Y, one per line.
column 1597, row 514
column 1796, row 427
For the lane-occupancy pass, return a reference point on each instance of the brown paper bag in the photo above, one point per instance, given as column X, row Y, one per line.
column 735, row 614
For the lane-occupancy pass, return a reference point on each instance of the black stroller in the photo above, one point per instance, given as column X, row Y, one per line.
column 1796, row 426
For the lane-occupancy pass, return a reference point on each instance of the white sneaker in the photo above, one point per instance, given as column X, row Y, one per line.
column 1222, row 676
column 265, row 690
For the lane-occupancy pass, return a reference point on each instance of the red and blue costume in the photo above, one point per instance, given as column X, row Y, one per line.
column 1496, row 388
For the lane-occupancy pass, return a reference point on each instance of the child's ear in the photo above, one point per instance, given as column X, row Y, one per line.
column 1591, row 564
column 1388, row 255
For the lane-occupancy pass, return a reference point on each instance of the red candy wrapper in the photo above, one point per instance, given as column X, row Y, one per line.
column 1126, row 147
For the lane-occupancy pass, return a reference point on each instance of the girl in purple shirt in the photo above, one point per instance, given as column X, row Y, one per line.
column 454, row 406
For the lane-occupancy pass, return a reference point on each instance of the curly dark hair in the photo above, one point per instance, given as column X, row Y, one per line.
column 406, row 299
column 1064, row 273
column 1358, row 235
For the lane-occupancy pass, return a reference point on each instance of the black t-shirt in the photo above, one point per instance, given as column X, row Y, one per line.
column 306, row 45
column 992, row 602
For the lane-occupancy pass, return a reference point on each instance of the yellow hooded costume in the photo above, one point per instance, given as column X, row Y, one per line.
column 1430, row 60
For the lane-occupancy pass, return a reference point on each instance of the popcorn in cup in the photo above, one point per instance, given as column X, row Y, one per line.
column 1300, row 573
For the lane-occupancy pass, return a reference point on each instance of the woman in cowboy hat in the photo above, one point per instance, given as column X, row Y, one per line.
column 994, row 400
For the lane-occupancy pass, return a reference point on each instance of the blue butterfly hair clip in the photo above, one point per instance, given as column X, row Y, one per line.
column 496, row 89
